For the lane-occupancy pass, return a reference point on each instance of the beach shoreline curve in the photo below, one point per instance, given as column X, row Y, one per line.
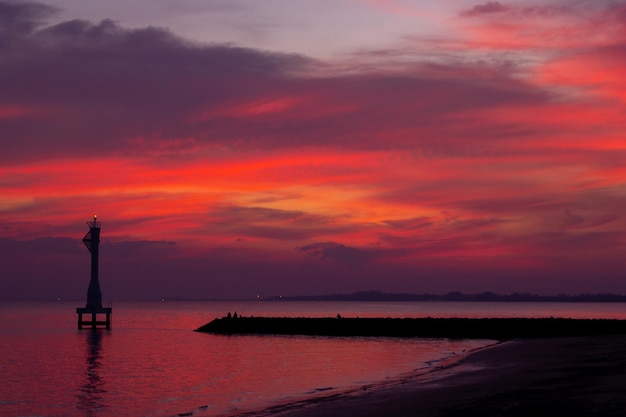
column 574, row 376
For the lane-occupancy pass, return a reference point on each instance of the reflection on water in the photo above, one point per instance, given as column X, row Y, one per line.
column 91, row 396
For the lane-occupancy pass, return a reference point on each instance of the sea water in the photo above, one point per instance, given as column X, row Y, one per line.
column 151, row 363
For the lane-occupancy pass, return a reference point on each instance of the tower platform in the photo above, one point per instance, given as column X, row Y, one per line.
column 92, row 317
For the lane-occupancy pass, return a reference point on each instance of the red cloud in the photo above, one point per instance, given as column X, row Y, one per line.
column 220, row 160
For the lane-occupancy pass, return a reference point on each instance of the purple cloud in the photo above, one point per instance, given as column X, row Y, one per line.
column 486, row 8
column 338, row 252
column 78, row 85
column 22, row 18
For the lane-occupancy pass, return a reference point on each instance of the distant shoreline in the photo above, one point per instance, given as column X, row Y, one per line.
column 456, row 296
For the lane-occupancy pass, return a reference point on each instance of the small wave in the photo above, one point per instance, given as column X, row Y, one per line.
column 316, row 390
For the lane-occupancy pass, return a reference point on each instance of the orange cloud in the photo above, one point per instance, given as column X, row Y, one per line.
column 469, row 162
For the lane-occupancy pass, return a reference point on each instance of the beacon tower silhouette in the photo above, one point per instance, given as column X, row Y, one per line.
column 94, row 294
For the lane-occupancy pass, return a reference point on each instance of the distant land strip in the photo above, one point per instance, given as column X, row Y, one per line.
column 452, row 328
column 454, row 296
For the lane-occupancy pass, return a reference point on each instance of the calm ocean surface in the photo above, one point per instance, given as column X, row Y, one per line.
column 151, row 363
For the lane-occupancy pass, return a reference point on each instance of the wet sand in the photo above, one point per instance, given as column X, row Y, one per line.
column 583, row 376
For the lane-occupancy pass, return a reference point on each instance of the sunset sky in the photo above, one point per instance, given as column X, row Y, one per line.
column 234, row 148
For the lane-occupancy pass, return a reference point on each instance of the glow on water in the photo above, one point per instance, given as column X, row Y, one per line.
column 152, row 364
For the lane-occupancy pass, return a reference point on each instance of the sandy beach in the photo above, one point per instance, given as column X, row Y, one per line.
column 558, row 377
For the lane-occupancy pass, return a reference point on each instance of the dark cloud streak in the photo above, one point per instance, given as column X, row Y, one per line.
column 273, row 224
column 486, row 8
column 338, row 252
column 22, row 18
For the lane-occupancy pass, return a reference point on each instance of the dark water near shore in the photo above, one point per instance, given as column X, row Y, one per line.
column 152, row 364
